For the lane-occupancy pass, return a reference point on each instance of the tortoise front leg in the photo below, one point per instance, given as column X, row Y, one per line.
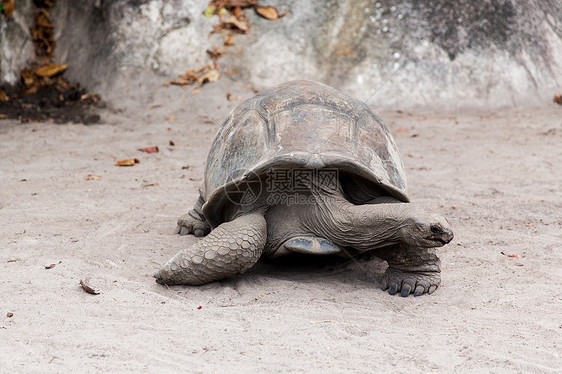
column 410, row 270
column 194, row 222
column 230, row 249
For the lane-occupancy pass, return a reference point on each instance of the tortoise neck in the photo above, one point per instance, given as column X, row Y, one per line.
column 363, row 227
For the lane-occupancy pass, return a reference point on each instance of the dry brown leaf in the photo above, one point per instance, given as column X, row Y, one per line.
column 345, row 51
column 150, row 185
column 181, row 82
column 229, row 41
column 153, row 149
column 50, row 266
column 9, row 314
column 269, row 12
column 172, row 143
column 190, row 74
column 27, row 76
column 86, row 286
column 92, row 98
column 30, row 91
column 170, row 118
column 240, row 25
column 215, row 53
column 229, row 96
column 210, row 76
column 512, row 255
column 51, row 70
column 239, row 3
column 558, row 99
column 8, row 7
column 4, row 96
column 92, row 177
column 127, row 162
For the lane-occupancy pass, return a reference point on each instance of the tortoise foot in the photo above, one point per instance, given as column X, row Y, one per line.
column 407, row 282
column 193, row 223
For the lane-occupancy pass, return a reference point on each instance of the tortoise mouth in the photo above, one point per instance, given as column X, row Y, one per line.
column 440, row 240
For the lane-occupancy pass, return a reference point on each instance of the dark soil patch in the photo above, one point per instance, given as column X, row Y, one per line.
column 60, row 102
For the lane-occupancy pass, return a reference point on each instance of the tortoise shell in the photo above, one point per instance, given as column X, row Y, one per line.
column 300, row 124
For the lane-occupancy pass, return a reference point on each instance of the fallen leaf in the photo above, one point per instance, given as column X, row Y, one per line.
column 27, row 76
column 172, row 143
column 181, row 82
column 30, row 91
column 240, row 25
column 240, row 3
column 51, row 70
column 558, row 99
column 210, row 11
column 269, row 12
column 4, row 96
column 215, row 53
column 513, row 255
column 86, row 286
column 9, row 314
column 210, row 76
column 229, row 96
column 50, row 266
column 153, row 149
column 150, row 185
column 127, row 162
column 8, row 7
column 229, row 40
column 154, row 106
column 92, row 177
column 3, row 116
column 195, row 91
column 170, row 118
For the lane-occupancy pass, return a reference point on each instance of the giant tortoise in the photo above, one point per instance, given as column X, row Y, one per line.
column 304, row 168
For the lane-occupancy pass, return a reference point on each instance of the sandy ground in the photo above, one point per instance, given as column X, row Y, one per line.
column 494, row 174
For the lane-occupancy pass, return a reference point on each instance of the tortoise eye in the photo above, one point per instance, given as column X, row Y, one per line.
column 436, row 230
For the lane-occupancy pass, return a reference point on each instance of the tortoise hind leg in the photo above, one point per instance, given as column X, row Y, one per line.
column 410, row 270
column 230, row 249
column 194, row 222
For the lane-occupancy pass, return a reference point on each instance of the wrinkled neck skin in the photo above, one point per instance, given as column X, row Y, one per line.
column 363, row 227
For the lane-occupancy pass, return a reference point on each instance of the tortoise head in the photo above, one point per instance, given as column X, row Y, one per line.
column 426, row 229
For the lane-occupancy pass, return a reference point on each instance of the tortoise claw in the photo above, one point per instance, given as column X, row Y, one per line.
column 406, row 282
column 407, row 286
